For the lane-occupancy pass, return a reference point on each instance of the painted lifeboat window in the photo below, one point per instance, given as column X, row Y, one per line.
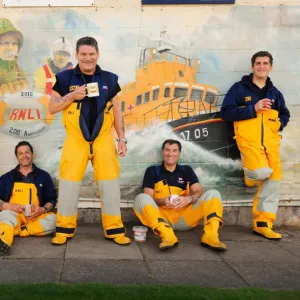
column 123, row 106
column 180, row 92
column 138, row 100
column 167, row 92
column 147, row 97
column 210, row 98
column 196, row 95
column 155, row 94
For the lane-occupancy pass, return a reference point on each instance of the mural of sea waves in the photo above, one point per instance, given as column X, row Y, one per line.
column 173, row 85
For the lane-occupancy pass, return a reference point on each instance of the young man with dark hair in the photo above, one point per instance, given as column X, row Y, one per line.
column 258, row 111
column 88, row 118
column 26, row 185
column 173, row 199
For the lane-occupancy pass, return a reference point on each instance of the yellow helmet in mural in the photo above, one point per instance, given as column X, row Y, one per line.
column 6, row 26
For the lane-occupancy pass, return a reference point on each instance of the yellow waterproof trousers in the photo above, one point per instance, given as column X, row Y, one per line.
column 75, row 156
column 12, row 224
column 208, row 207
column 258, row 140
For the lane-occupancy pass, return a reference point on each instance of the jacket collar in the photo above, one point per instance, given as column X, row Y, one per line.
column 247, row 80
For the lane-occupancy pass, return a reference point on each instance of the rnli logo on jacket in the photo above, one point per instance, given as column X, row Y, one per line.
column 272, row 120
column 18, row 190
column 248, row 98
column 73, row 87
column 180, row 180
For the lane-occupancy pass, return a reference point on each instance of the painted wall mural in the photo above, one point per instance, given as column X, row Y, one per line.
column 173, row 80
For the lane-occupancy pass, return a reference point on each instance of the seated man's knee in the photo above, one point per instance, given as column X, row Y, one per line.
column 212, row 194
column 141, row 200
column 258, row 174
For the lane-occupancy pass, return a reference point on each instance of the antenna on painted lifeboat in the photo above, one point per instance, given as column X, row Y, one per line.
column 163, row 43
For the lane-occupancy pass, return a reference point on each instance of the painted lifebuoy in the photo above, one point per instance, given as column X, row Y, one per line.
column 25, row 114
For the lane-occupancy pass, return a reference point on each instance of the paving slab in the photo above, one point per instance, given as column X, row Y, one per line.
column 292, row 248
column 90, row 243
column 205, row 274
column 30, row 270
column 269, row 275
column 234, row 233
column 35, row 247
column 257, row 252
column 106, row 271
column 186, row 250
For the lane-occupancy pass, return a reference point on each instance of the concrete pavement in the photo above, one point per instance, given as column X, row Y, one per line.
column 250, row 261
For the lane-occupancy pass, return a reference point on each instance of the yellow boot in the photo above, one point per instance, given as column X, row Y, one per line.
column 114, row 229
column 264, row 229
column 210, row 237
column 168, row 238
column 6, row 237
column 59, row 239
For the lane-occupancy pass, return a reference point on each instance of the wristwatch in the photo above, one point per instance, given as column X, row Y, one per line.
column 46, row 209
column 122, row 140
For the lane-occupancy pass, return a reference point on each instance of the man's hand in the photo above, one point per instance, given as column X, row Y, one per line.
column 13, row 207
column 79, row 93
column 263, row 105
column 181, row 201
column 36, row 211
column 122, row 148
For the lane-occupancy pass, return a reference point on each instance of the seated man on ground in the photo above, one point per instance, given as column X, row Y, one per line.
column 173, row 199
column 30, row 187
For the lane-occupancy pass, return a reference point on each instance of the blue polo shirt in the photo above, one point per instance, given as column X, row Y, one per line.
column 180, row 177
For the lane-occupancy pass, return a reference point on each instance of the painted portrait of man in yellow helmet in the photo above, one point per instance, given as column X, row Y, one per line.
column 59, row 60
column 12, row 77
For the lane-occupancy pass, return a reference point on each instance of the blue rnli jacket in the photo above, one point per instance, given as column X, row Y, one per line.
column 240, row 100
column 42, row 180
column 107, row 82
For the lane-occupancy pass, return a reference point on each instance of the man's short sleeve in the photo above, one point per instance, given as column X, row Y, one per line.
column 56, row 87
column 115, row 91
column 190, row 175
column 149, row 178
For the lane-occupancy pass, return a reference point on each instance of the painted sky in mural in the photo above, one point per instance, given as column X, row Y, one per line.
column 171, row 86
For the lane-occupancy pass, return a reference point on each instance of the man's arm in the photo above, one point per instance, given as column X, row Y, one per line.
column 196, row 191
column 231, row 110
column 58, row 103
column 6, row 205
column 284, row 113
column 119, row 126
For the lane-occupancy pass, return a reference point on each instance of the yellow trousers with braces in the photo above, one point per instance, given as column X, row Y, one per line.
column 14, row 224
column 258, row 140
column 208, row 207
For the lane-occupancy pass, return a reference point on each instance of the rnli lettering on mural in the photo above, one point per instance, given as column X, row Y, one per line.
column 25, row 114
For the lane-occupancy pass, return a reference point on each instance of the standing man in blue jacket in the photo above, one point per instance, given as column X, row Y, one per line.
column 87, row 98
column 258, row 111
column 26, row 185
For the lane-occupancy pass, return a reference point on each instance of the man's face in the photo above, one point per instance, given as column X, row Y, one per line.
column 171, row 154
column 262, row 67
column 24, row 156
column 61, row 59
column 87, row 57
column 9, row 46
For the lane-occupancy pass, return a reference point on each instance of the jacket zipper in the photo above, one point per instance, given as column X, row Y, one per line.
column 262, row 131
column 30, row 196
